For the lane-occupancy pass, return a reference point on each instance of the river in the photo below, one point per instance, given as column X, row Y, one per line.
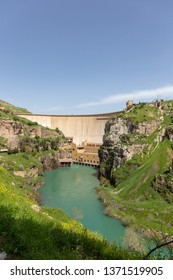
column 73, row 189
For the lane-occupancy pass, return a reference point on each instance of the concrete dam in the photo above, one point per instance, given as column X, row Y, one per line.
column 88, row 128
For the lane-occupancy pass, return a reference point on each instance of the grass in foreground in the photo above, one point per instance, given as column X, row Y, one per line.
column 48, row 233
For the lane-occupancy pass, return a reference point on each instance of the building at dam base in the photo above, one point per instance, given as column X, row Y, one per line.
column 86, row 153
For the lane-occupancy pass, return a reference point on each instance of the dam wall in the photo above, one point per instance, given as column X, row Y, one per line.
column 88, row 128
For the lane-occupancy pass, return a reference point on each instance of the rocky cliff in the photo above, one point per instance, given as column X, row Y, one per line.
column 13, row 131
column 27, row 149
column 133, row 133
column 123, row 139
column 50, row 161
column 10, row 131
column 136, row 167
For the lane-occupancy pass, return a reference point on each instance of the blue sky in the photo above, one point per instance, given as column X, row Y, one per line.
column 85, row 56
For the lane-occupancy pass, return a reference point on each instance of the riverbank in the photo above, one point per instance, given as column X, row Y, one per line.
column 137, row 169
column 73, row 189
column 140, row 216
column 130, row 215
column 26, row 233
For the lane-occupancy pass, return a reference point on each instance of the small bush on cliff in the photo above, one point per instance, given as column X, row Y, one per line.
column 24, row 121
column 3, row 142
column 29, row 144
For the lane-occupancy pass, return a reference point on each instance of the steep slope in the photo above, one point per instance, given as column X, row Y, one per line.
column 5, row 106
column 136, row 158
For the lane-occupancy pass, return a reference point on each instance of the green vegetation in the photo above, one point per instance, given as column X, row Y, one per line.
column 26, row 170
column 24, row 121
column 30, row 141
column 27, row 230
column 3, row 142
column 9, row 108
column 36, row 144
column 142, row 112
column 141, row 189
column 30, row 232
column 141, row 194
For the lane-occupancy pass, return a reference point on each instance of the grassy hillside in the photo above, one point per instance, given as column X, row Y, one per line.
column 143, row 193
column 11, row 108
column 138, row 203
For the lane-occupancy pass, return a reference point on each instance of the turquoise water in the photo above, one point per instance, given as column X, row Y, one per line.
column 73, row 189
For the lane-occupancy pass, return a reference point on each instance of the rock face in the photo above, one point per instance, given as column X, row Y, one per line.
column 120, row 143
column 116, row 130
column 147, row 128
column 42, row 132
column 12, row 134
column 11, row 130
column 50, row 161
column 163, row 184
column 169, row 133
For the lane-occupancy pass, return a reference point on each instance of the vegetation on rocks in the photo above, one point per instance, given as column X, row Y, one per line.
column 136, row 168
column 9, row 108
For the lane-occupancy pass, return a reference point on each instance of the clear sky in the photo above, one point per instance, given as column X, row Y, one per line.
column 85, row 56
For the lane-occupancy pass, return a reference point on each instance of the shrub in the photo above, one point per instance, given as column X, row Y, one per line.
column 3, row 142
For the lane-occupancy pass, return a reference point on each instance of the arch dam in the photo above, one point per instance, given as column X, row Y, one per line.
column 82, row 128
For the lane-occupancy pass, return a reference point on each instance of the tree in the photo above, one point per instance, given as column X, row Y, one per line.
column 166, row 244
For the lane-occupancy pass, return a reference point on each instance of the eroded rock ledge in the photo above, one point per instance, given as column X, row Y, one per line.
column 121, row 141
